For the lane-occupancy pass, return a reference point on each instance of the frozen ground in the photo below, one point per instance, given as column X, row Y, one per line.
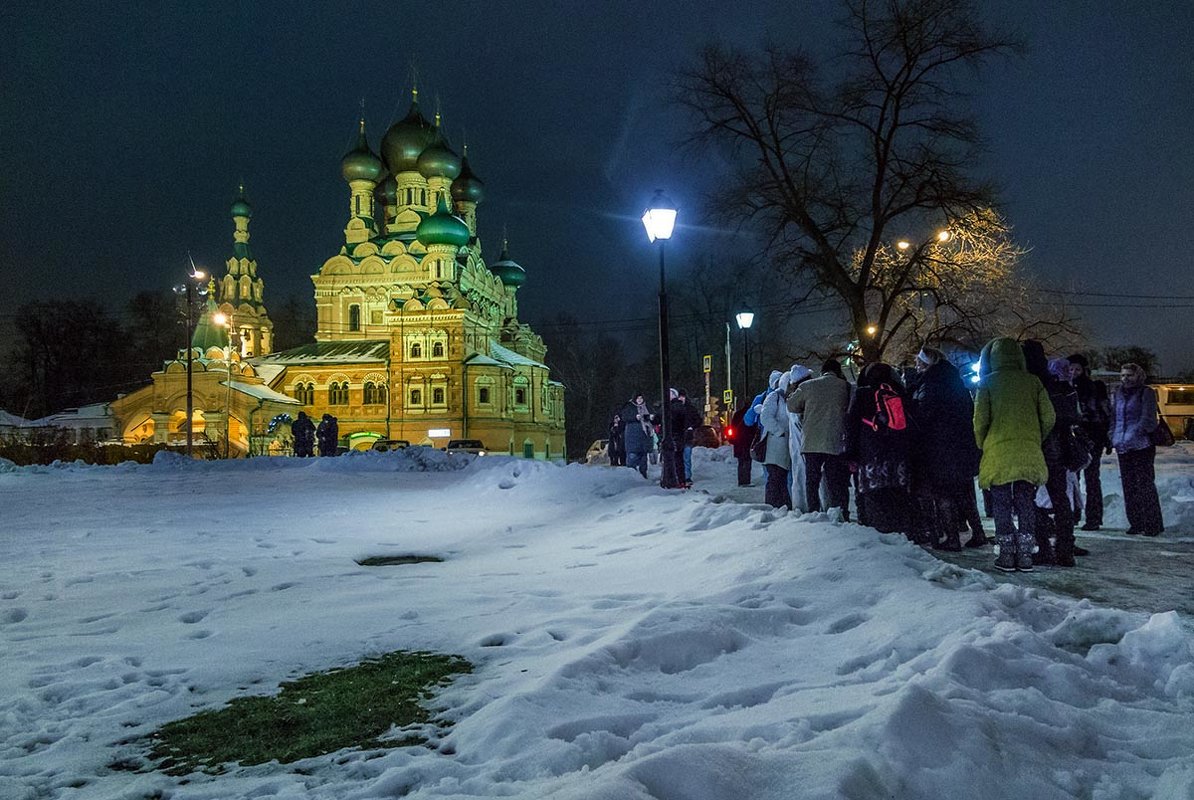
column 629, row 643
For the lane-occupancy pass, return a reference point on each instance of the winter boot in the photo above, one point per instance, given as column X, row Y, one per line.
column 1025, row 542
column 951, row 542
column 1064, row 553
column 1005, row 552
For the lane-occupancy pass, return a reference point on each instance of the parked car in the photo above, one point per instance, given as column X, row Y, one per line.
column 598, row 452
column 386, row 445
column 706, row 436
column 473, row 446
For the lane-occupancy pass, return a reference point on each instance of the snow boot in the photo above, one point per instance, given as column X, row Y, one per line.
column 951, row 543
column 977, row 540
column 1005, row 552
column 1025, row 544
column 1064, row 553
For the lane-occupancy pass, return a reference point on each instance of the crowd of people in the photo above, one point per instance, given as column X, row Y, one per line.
column 912, row 442
column 637, row 432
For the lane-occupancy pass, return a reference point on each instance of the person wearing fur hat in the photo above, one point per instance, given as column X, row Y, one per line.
column 820, row 405
column 796, row 473
column 1095, row 405
column 773, row 417
column 751, row 417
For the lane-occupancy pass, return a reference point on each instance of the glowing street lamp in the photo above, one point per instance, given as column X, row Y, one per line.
column 659, row 219
column 193, row 282
column 225, row 321
column 903, row 244
column 745, row 319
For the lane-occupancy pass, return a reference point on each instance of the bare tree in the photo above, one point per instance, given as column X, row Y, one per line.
column 835, row 171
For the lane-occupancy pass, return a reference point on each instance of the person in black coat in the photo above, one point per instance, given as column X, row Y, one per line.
column 637, row 439
column 303, row 431
column 684, row 422
column 616, row 445
column 1057, row 448
column 878, row 447
column 328, row 435
column 945, row 455
column 743, row 436
column 1095, row 407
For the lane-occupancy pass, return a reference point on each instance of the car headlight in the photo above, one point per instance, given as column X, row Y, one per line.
column 480, row 452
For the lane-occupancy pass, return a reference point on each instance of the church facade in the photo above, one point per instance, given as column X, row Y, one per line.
column 417, row 335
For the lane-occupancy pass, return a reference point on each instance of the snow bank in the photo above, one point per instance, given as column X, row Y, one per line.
column 629, row 642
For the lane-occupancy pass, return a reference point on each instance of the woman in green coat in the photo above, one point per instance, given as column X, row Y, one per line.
column 1012, row 416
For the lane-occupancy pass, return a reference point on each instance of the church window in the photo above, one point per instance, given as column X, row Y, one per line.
column 520, row 396
column 483, row 395
column 338, row 393
column 374, row 394
column 437, row 396
column 416, row 350
column 416, row 397
column 354, row 317
column 423, row 197
column 437, row 350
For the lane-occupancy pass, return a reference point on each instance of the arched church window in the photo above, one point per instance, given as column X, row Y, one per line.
column 416, row 397
column 437, row 396
column 437, row 350
column 354, row 317
column 520, row 396
column 483, row 395
column 416, row 350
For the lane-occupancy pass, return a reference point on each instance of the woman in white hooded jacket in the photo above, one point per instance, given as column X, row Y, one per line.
column 796, row 487
column 773, row 416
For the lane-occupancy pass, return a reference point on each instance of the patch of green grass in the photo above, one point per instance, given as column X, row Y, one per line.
column 389, row 561
column 312, row 716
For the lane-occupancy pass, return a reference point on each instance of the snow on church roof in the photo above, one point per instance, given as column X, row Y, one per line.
column 510, row 357
column 354, row 352
column 261, row 392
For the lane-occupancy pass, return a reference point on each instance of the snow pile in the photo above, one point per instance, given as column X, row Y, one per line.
column 629, row 643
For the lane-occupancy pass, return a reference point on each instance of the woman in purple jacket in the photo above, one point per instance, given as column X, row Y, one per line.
column 1133, row 419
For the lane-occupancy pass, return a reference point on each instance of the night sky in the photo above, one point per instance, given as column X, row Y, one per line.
column 125, row 128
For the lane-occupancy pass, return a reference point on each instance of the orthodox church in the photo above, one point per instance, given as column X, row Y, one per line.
column 417, row 339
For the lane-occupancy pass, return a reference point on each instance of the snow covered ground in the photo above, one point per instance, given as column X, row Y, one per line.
column 629, row 643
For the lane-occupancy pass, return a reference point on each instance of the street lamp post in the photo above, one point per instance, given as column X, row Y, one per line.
column 194, row 277
column 745, row 320
column 659, row 219
column 225, row 320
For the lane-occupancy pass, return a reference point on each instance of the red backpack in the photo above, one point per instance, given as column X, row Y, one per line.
column 889, row 410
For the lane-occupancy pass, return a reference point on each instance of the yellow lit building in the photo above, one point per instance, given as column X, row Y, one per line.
column 417, row 337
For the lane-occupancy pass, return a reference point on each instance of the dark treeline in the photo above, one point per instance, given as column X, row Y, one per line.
column 68, row 353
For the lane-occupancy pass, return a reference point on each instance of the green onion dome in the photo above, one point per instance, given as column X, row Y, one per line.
column 467, row 188
column 361, row 163
column 405, row 141
column 207, row 333
column 509, row 272
column 387, row 191
column 240, row 206
column 443, row 227
column 439, row 161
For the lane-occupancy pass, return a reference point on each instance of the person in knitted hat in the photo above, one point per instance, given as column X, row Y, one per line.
column 820, row 404
column 751, row 417
column 1094, row 405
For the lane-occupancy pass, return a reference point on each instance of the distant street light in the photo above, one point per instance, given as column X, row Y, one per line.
column 903, row 244
column 659, row 219
column 194, row 278
column 745, row 320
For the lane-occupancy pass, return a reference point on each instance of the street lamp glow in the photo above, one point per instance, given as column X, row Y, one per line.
column 745, row 319
column 903, row 244
column 220, row 318
column 660, row 217
column 872, row 329
column 943, row 236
